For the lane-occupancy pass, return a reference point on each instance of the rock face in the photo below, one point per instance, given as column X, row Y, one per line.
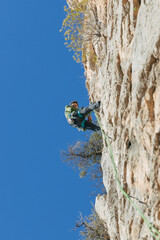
column 126, row 78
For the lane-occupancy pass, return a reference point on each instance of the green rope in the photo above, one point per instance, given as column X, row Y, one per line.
column 151, row 228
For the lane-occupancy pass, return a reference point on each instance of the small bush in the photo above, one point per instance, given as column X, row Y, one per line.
column 93, row 228
column 79, row 29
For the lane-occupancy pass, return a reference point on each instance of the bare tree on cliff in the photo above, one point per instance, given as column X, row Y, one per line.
column 86, row 157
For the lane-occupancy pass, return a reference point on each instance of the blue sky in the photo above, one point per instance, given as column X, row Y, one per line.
column 40, row 197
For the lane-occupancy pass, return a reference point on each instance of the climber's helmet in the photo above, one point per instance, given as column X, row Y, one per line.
column 74, row 104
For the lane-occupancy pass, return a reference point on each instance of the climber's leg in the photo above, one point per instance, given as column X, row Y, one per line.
column 91, row 126
column 87, row 110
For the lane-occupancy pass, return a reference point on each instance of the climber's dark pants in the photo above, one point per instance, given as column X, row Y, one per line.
column 91, row 126
column 81, row 114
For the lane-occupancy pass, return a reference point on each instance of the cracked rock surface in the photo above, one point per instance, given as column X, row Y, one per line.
column 126, row 78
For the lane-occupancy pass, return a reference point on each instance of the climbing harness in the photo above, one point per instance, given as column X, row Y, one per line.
column 83, row 122
column 151, row 228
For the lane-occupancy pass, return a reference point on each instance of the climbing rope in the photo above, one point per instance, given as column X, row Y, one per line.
column 151, row 228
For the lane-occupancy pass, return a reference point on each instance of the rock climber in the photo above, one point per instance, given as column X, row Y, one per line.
column 76, row 116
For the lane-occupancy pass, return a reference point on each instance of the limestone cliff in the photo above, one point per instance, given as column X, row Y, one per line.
column 126, row 78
